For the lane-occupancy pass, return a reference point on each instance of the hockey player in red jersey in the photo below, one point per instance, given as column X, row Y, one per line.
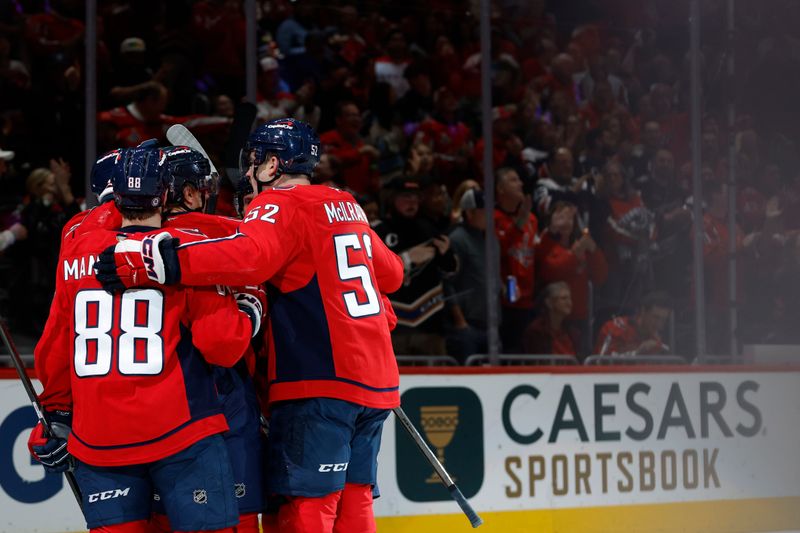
column 191, row 187
column 105, row 215
column 333, row 374
column 133, row 368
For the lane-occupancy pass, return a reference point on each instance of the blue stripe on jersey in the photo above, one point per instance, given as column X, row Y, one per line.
column 207, row 241
column 300, row 332
column 198, row 379
column 141, row 443
column 341, row 380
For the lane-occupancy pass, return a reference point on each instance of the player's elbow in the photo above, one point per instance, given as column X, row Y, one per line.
column 226, row 348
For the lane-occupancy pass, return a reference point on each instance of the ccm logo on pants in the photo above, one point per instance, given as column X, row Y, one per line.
column 335, row 467
column 108, row 494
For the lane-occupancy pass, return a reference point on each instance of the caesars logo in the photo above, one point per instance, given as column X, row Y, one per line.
column 451, row 421
column 682, row 434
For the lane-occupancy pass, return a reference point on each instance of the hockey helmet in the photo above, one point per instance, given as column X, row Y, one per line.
column 293, row 142
column 102, row 175
column 142, row 179
column 188, row 167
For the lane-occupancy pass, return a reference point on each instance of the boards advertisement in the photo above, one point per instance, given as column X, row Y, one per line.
column 678, row 449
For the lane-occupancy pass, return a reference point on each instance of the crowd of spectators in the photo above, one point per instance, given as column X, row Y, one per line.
column 591, row 152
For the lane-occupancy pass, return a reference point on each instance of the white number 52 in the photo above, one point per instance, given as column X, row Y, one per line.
column 270, row 210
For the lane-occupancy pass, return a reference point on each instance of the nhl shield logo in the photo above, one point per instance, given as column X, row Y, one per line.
column 200, row 496
column 240, row 490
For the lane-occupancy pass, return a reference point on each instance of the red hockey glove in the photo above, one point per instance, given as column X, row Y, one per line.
column 131, row 263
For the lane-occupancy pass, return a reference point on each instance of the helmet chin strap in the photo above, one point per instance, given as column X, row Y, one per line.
column 261, row 185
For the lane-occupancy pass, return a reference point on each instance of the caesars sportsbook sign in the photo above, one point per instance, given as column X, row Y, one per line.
column 548, row 441
column 541, row 452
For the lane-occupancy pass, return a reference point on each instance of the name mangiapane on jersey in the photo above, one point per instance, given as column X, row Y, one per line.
column 79, row 267
column 345, row 212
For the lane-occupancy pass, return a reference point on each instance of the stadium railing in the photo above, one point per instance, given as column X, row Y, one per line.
column 426, row 360
column 523, row 360
column 611, row 360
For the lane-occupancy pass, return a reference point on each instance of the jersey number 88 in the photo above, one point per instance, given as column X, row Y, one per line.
column 139, row 346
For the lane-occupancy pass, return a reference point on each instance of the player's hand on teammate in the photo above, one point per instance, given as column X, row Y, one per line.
column 51, row 450
column 132, row 263
column 252, row 300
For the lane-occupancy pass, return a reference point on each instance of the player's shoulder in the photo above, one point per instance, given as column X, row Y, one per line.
column 189, row 234
column 211, row 225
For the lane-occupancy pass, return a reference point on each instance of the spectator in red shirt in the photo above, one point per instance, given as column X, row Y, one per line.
column 548, row 334
column 639, row 334
column 516, row 229
column 355, row 157
column 144, row 119
column 565, row 253
column 715, row 259
column 629, row 240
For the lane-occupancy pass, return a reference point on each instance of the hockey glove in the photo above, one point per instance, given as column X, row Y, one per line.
column 251, row 300
column 131, row 263
column 51, row 450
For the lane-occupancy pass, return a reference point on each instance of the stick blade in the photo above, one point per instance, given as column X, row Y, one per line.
column 179, row 135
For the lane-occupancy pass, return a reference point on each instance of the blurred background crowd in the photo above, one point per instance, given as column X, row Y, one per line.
column 591, row 152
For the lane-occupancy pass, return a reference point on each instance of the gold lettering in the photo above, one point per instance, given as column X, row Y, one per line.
column 514, row 491
column 583, row 469
column 628, row 485
column 564, row 488
column 690, row 455
column 604, row 457
column 710, row 467
column 669, row 474
column 647, row 471
column 533, row 473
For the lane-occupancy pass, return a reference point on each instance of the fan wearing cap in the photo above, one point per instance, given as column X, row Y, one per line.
column 427, row 259
column 273, row 100
column 466, row 290
column 130, row 70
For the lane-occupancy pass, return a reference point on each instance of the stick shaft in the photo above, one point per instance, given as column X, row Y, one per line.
column 455, row 493
column 26, row 383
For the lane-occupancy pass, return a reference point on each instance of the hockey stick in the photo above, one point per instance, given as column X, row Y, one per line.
column 455, row 492
column 26, row 383
column 243, row 117
column 179, row 135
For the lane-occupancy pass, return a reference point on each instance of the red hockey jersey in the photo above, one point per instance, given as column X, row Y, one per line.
column 212, row 226
column 133, row 366
column 325, row 269
column 104, row 216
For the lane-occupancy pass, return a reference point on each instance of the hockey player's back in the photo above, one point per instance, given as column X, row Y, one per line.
column 144, row 345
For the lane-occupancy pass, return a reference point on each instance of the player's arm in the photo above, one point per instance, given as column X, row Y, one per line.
column 248, row 257
column 221, row 329
column 387, row 265
column 260, row 247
